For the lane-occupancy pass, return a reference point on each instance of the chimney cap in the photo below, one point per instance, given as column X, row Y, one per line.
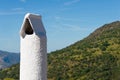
column 35, row 23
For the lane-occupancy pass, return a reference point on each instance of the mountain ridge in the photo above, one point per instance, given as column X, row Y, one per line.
column 102, row 45
column 8, row 58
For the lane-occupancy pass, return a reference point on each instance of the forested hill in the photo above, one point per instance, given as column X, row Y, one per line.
column 96, row 57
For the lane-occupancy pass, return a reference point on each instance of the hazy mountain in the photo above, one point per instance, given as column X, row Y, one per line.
column 7, row 59
column 96, row 57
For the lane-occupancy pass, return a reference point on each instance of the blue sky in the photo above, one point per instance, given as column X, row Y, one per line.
column 66, row 21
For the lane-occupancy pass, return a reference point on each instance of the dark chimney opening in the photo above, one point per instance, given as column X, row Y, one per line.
column 28, row 29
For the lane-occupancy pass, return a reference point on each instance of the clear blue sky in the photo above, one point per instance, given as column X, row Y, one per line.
column 66, row 21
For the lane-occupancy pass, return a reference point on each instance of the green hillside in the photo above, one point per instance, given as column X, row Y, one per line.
column 11, row 73
column 97, row 57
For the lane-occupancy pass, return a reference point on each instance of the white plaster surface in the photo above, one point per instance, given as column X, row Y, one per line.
column 33, row 49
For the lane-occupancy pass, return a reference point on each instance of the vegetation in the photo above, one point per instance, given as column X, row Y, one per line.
column 11, row 73
column 96, row 57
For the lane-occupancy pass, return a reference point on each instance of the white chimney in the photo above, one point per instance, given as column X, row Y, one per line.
column 33, row 49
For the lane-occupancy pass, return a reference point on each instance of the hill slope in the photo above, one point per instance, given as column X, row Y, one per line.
column 97, row 57
column 7, row 59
